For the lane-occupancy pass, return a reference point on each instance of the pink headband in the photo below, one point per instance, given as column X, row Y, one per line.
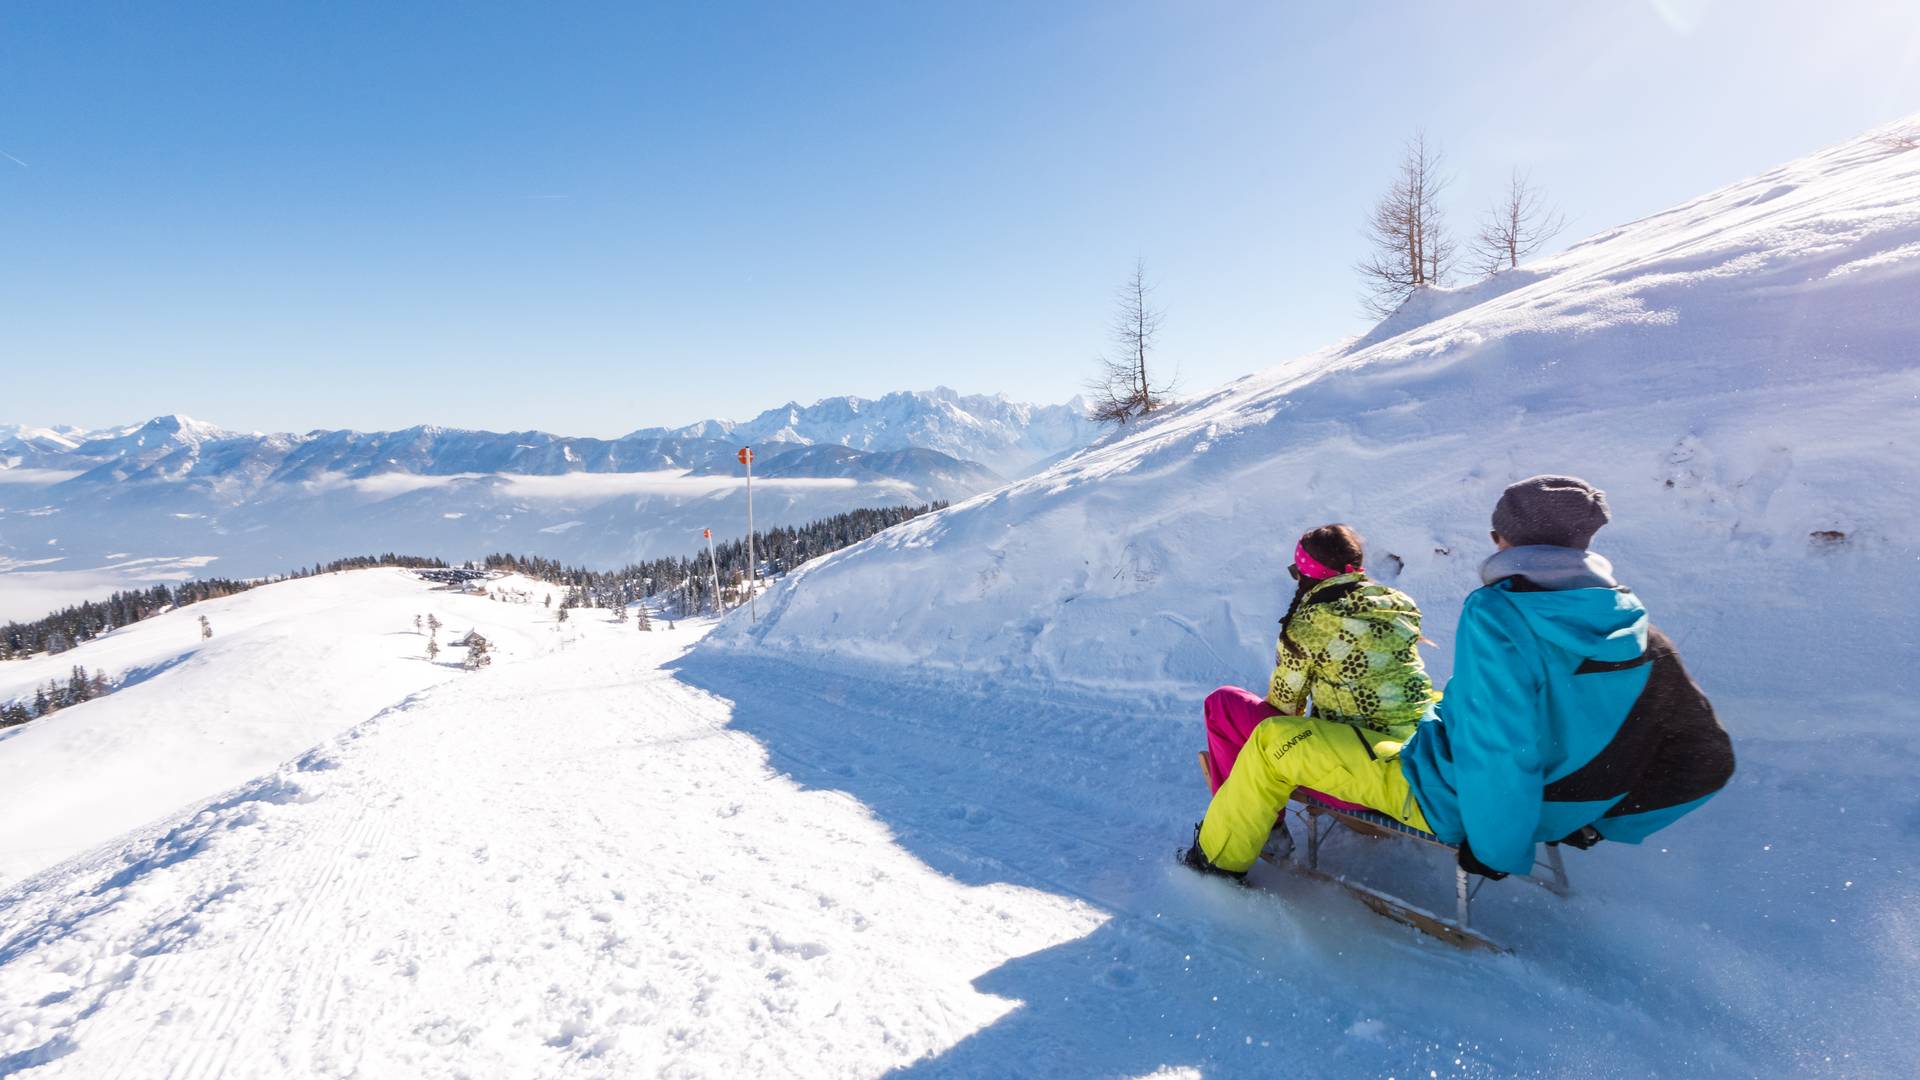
column 1311, row 567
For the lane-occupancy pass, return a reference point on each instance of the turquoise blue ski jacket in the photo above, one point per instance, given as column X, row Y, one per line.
column 1565, row 709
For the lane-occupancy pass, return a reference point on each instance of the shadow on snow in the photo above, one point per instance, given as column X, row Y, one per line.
column 1075, row 799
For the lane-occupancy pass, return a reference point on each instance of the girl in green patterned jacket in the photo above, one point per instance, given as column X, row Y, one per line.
column 1348, row 647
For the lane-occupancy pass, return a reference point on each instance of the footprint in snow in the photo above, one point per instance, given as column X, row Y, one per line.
column 972, row 815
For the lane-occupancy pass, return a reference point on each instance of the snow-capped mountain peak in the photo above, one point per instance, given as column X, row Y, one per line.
column 264, row 503
column 175, row 427
column 1012, row 438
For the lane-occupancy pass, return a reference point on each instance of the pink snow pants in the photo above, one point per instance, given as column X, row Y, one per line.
column 1232, row 714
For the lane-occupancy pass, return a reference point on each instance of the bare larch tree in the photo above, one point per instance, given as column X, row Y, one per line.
column 1515, row 227
column 1411, row 248
column 1124, row 390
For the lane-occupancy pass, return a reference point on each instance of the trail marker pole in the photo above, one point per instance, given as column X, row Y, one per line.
column 753, row 569
column 715, row 564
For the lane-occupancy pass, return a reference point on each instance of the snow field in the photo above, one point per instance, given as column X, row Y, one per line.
column 289, row 664
column 565, row 864
column 1700, row 955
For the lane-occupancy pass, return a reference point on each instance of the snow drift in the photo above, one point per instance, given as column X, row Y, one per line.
column 1739, row 373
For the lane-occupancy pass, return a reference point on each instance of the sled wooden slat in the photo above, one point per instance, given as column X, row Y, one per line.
column 1392, row 907
column 1371, row 822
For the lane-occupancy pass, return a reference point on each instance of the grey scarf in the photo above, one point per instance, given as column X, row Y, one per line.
column 1549, row 567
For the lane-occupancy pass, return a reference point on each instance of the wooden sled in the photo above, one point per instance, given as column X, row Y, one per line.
column 1322, row 818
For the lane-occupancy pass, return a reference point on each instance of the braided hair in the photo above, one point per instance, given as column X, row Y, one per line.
column 1330, row 545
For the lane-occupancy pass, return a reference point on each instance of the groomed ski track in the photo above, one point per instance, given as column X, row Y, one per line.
column 564, row 865
column 619, row 859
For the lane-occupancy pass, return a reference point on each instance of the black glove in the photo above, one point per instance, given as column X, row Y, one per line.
column 1584, row 839
column 1474, row 866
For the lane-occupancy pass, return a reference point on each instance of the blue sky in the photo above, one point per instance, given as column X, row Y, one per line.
column 591, row 218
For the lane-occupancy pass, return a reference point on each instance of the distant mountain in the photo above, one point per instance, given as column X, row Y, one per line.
column 25, row 447
column 174, row 486
column 253, row 503
column 1012, row 438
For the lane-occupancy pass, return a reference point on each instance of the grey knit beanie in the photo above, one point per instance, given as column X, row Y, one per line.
column 1564, row 511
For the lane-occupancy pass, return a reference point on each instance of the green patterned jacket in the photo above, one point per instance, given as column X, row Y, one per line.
column 1357, row 658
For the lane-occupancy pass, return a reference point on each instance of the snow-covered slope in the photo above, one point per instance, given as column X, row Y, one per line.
column 25, row 448
column 565, row 864
column 289, row 664
column 1738, row 373
column 1010, row 437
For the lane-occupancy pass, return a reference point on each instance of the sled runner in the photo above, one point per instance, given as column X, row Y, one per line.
column 1322, row 817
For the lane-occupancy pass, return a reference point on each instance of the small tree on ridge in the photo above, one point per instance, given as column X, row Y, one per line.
column 1124, row 389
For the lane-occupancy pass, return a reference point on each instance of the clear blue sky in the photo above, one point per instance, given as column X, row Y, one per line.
column 589, row 218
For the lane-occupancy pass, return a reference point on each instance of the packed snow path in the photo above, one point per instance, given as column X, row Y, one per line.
column 568, row 861
column 618, row 860
column 288, row 665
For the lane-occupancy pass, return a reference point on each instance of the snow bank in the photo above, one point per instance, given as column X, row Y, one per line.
column 1741, row 374
column 1738, row 373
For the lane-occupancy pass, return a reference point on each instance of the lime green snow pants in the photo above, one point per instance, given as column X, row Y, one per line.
column 1286, row 752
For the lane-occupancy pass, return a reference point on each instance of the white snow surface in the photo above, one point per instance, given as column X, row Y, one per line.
column 289, row 664
column 565, row 863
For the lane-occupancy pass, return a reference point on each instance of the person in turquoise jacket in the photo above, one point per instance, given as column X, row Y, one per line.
column 1568, row 719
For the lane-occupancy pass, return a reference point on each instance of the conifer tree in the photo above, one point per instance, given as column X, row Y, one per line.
column 433, row 644
column 206, row 628
column 477, row 652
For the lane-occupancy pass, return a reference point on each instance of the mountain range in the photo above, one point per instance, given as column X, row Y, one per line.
column 1009, row 437
column 262, row 502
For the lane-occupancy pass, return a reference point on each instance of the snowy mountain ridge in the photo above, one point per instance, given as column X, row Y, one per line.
column 262, row 503
column 1010, row 437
